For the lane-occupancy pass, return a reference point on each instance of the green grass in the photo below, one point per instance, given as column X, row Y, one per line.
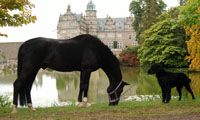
column 125, row 110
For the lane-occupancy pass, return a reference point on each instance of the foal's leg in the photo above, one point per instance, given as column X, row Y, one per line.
column 84, row 84
column 187, row 86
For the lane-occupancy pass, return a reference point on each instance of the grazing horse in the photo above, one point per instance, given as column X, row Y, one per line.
column 84, row 53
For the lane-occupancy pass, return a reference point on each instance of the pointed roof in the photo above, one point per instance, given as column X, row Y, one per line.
column 91, row 6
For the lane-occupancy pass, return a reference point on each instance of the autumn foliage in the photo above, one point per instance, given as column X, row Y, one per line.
column 190, row 18
column 128, row 57
column 193, row 47
column 15, row 13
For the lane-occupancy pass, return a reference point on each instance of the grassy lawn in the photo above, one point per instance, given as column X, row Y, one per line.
column 124, row 111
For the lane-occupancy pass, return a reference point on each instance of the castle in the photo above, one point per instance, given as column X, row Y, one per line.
column 116, row 33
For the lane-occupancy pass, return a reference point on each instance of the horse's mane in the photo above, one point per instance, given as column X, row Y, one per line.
column 107, row 55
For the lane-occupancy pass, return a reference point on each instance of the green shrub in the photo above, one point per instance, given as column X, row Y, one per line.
column 4, row 100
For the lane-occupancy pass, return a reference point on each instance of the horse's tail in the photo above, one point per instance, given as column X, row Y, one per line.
column 22, row 92
column 19, row 62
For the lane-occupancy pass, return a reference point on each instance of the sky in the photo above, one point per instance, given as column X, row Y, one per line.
column 48, row 12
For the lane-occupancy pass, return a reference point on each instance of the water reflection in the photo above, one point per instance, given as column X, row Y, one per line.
column 54, row 88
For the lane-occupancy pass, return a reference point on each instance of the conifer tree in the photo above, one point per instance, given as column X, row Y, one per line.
column 145, row 12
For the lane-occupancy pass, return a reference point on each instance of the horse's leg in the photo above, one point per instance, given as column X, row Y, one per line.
column 84, row 84
column 28, row 96
column 28, row 92
column 17, row 85
column 19, row 88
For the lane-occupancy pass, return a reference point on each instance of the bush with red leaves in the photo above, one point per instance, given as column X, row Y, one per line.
column 128, row 59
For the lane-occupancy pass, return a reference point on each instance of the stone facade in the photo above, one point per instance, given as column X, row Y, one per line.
column 117, row 33
column 10, row 50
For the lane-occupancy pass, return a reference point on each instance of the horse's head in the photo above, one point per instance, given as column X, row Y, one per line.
column 113, row 71
column 114, row 92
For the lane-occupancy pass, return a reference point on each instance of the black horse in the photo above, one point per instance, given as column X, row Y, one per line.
column 84, row 53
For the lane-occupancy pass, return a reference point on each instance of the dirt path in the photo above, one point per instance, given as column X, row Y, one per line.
column 80, row 116
column 191, row 116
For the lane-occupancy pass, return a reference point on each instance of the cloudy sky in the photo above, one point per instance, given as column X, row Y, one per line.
column 48, row 12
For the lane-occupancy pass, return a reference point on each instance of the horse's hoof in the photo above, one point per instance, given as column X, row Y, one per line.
column 33, row 110
column 85, row 99
column 88, row 105
column 80, row 105
column 14, row 109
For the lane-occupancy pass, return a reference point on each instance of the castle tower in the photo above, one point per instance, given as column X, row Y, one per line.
column 69, row 25
column 91, row 18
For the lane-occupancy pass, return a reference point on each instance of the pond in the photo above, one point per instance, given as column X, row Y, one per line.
column 53, row 88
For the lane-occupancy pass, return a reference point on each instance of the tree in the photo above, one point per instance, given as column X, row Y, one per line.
column 15, row 13
column 137, row 8
column 145, row 13
column 189, row 17
column 164, row 42
column 153, row 9
column 182, row 2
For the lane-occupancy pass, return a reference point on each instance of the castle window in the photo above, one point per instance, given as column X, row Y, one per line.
column 73, row 31
column 110, row 35
column 110, row 45
column 73, row 24
column 63, row 32
column 110, row 27
column 101, row 36
column 119, row 35
column 119, row 45
column 129, row 36
column 135, row 43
